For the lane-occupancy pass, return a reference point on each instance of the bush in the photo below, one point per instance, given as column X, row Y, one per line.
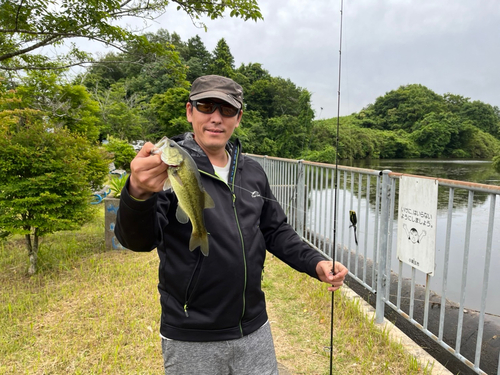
column 122, row 152
column 496, row 163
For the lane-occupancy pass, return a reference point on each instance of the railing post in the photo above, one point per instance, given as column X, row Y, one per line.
column 301, row 197
column 382, row 254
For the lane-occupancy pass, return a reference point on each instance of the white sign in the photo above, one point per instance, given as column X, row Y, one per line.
column 417, row 222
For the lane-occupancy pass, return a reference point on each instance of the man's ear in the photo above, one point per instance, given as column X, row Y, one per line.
column 189, row 111
column 240, row 115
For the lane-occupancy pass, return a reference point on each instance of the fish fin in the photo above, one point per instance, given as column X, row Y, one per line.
column 167, row 185
column 209, row 202
column 200, row 240
column 181, row 215
column 177, row 178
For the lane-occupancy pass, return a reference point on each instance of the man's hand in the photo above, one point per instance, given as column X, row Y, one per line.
column 148, row 173
column 335, row 278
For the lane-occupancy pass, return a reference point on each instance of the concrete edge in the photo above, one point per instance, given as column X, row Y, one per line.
column 395, row 334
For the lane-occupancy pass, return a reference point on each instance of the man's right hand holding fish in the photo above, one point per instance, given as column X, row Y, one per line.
column 148, row 173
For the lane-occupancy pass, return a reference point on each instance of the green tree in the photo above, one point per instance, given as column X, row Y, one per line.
column 254, row 72
column 13, row 113
column 448, row 135
column 259, row 97
column 180, row 46
column 195, row 69
column 29, row 26
column 326, row 155
column 161, row 100
column 246, row 76
column 121, row 115
column 305, row 118
column 125, row 89
column 434, row 134
column 323, row 134
column 198, row 58
column 394, row 145
column 291, row 133
column 454, row 102
column 273, row 97
column 223, row 61
column 483, row 116
column 45, row 180
column 496, row 163
column 170, row 109
column 482, row 145
column 356, row 142
column 111, row 68
column 251, row 132
column 285, row 97
column 153, row 75
column 64, row 104
column 286, row 135
column 160, row 72
column 402, row 108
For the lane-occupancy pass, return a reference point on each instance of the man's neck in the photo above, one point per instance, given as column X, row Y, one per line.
column 219, row 159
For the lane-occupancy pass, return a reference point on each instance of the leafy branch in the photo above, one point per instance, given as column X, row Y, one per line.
column 29, row 26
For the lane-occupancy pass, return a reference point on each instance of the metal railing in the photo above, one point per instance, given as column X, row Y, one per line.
column 459, row 306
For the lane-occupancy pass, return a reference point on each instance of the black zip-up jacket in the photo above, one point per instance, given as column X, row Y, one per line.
column 218, row 297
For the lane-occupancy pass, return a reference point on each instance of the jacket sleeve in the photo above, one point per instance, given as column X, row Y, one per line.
column 282, row 240
column 137, row 222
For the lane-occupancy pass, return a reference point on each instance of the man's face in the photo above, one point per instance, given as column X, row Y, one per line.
column 211, row 130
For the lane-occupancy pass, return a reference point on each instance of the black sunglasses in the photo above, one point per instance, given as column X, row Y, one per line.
column 226, row 110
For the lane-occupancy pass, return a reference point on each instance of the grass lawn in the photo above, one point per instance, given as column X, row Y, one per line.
column 91, row 311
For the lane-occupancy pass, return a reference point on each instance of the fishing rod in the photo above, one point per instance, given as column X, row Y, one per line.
column 336, row 184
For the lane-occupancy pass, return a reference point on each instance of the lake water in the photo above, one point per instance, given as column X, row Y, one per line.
column 480, row 171
column 462, row 170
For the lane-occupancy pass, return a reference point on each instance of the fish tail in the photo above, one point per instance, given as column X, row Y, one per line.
column 201, row 240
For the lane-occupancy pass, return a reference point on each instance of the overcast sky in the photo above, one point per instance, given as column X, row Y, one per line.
column 446, row 45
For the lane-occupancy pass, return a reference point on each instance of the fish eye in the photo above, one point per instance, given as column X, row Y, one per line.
column 171, row 144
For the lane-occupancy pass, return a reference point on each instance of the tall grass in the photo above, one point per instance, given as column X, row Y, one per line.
column 299, row 309
column 91, row 311
column 86, row 311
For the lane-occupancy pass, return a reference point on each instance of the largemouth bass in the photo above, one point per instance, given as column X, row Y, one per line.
column 184, row 179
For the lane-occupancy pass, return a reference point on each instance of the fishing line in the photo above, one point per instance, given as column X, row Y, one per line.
column 313, row 210
column 293, row 195
column 256, row 194
column 335, row 184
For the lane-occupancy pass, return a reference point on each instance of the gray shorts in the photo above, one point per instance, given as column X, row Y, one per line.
column 251, row 355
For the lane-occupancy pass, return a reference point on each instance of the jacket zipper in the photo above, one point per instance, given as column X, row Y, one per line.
column 245, row 270
column 231, row 188
column 187, row 298
column 244, row 264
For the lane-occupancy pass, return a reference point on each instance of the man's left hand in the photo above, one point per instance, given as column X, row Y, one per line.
column 329, row 275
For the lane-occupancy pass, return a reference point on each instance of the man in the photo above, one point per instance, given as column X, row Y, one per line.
column 214, row 318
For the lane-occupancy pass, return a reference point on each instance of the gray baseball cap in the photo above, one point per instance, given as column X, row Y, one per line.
column 218, row 87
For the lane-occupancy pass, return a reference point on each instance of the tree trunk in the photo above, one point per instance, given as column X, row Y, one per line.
column 32, row 252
